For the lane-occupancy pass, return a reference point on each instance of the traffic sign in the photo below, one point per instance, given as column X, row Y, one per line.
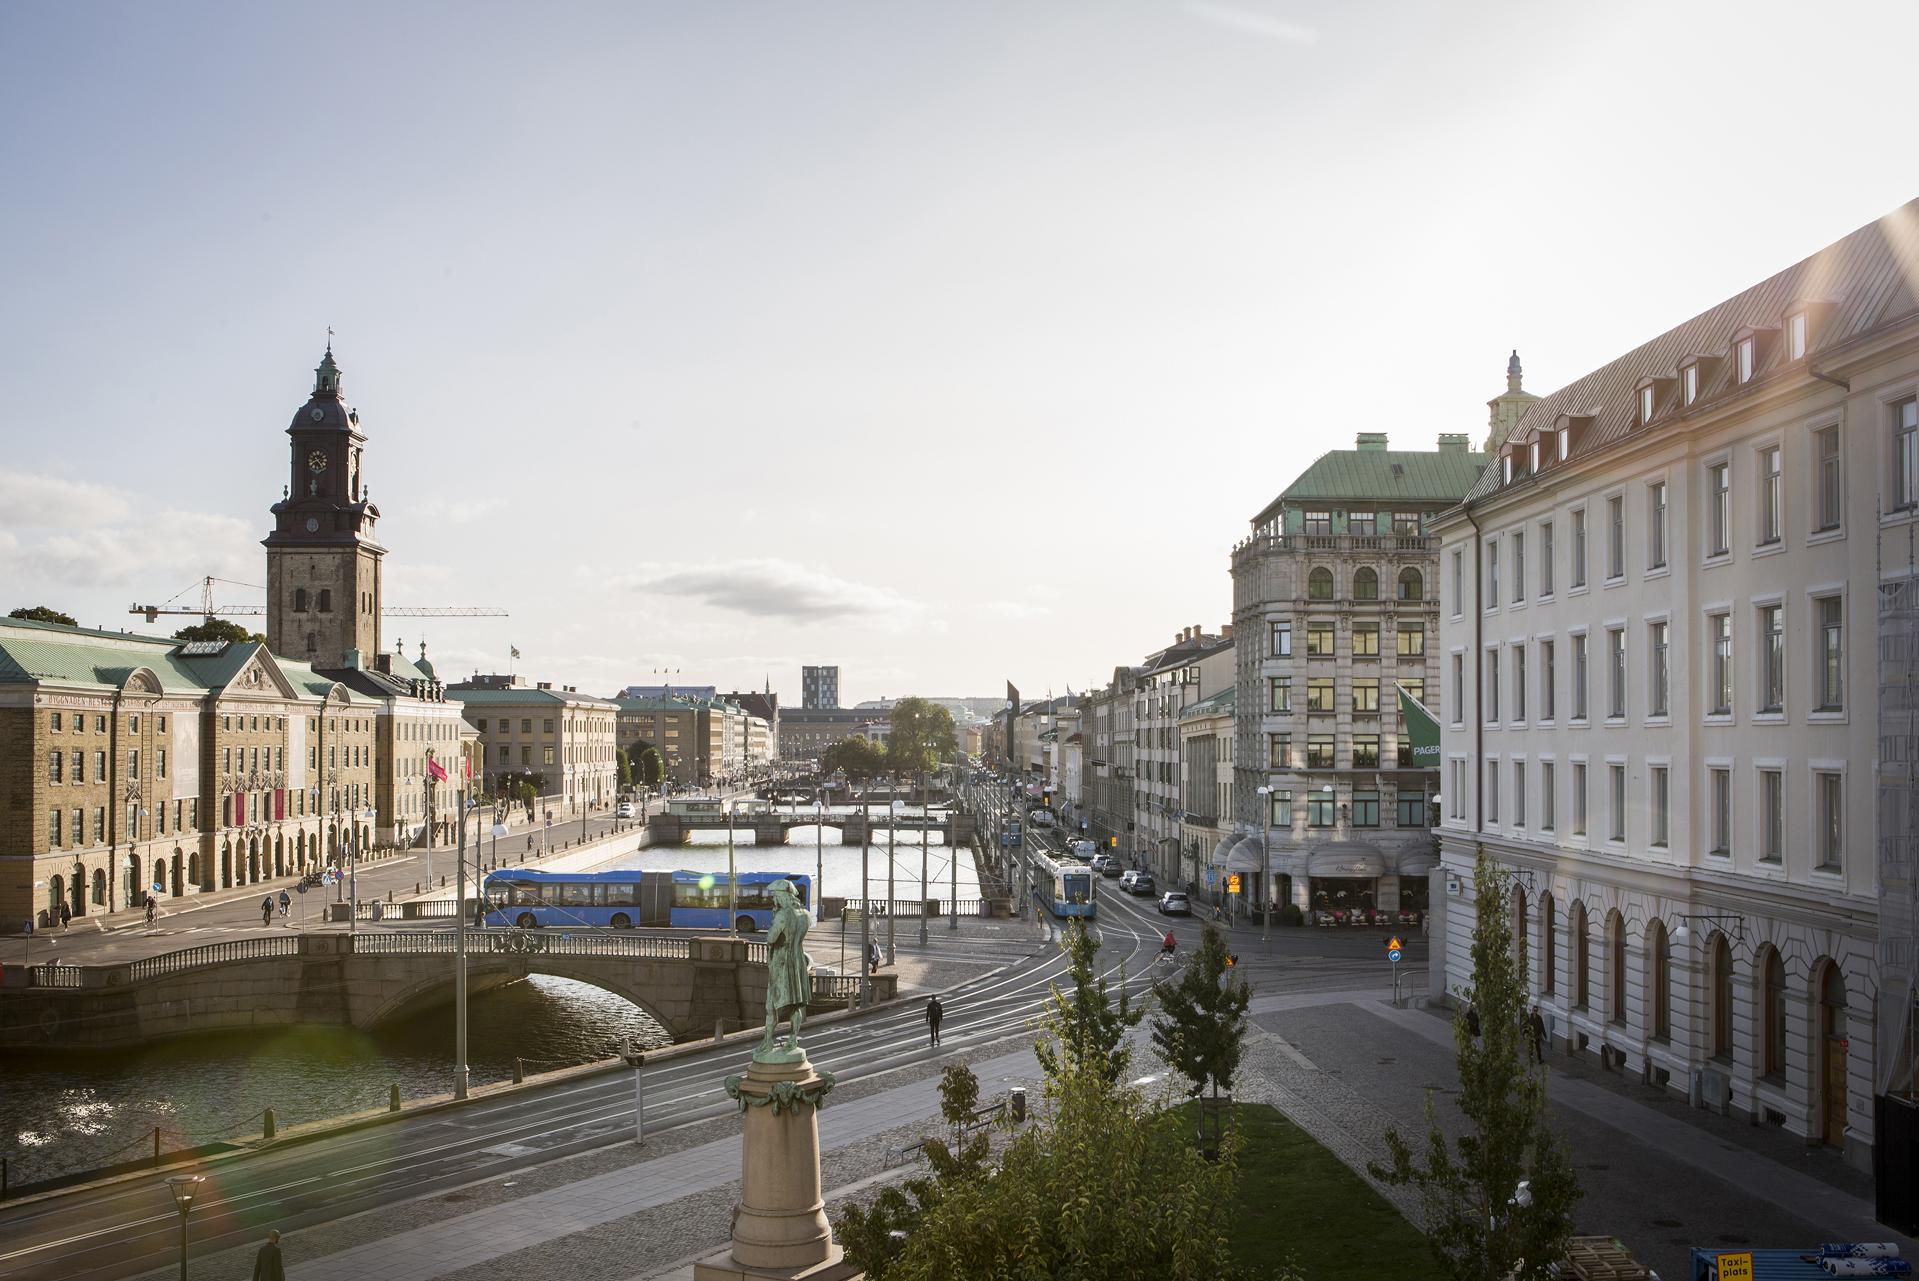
column 1393, row 956
column 1394, row 945
column 1232, row 883
column 1736, row 1267
column 301, row 888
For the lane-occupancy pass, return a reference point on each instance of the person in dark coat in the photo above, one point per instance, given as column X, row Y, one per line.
column 267, row 1265
column 1536, row 1031
column 934, row 1013
column 1472, row 1021
column 266, row 910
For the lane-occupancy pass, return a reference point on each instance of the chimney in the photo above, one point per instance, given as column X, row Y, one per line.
column 1372, row 441
column 544, row 685
column 1453, row 442
column 1226, row 631
column 351, row 660
column 1199, row 630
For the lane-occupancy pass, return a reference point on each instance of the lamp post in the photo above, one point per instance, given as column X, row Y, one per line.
column 460, row 1073
column 819, row 855
column 183, row 1187
column 732, row 880
column 635, row 1059
column 892, row 834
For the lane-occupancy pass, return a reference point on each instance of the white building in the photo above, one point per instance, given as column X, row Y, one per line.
column 1657, row 630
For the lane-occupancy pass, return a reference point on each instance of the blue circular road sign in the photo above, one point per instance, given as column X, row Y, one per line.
column 1393, row 956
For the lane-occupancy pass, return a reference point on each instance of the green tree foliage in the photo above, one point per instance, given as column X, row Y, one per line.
column 921, row 737
column 856, row 757
column 1474, row 1223
column 42, row 614
column 1086, row 1027
column 626, row 768
column 1201, row 1027
column 650, row 764
column 217, row 629
column 867, row 1233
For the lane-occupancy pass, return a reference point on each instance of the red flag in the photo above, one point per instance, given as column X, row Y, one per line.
column 435, row 770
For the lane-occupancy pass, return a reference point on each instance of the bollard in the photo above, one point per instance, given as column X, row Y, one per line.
column 519, row 1071
column 416, row 887
column 1019, row 1103
column 393, row 1097
column 156, row 1147
column 268, row 1128
column 719, row 1029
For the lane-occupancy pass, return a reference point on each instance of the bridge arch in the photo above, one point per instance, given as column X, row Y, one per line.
column 486, row 971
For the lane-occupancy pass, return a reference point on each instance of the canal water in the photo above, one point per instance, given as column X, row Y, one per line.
column 68, row 1111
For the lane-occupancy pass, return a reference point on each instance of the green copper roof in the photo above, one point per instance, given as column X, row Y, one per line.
column 78, row 656
column 517, row 694
column 1219, row 704
column 1385, row 475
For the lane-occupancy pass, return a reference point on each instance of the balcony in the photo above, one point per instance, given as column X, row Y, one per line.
column 1376, row 544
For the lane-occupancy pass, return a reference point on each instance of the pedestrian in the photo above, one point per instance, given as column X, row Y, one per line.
column 149, row 909
column 1472, row 1021
column 266, row 1264
column 286, row 905
column 934, row 1013
column 66, row 914
column 873, row 958
column 1536, row 1027
column 266, row 911
column 529, row 842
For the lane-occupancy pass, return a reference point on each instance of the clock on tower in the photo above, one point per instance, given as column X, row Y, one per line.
column 323, row 560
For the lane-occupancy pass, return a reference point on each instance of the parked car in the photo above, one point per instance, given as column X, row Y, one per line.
column 1126, row 880
column 627, row 809
column 1040, row 817
column 1109, row 868
column 1173, row 903
column 1143, row 884
column 1081, row 848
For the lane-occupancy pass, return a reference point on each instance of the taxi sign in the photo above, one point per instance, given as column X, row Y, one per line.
column 1232, row 883
column 1736, row 1267
column 1393, row 956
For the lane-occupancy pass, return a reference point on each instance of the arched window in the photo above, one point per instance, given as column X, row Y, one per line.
column 1319, row 584
column 1582, row 950
column 313, row 643
column 1772, row 1003
column 99, row 888
column 1616, row 980
column 299, row 600
column 1720, row 975
column 1659, row 980
column 326, row 600
column 1548, row 946
column 1519, row 934
column 1366, row 583
column 1411, row 585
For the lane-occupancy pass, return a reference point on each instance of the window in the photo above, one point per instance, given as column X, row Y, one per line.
column 1616, row 536
column 1366, row 584
column 1545, row 558
column 1796, row 335
column 1656, row 525
column 1905, row 452
column 1547, row 704
column 1492, row 685
column 1579, row 677
column 546, row 756
column 1719, row 796
column 99, row 767
column 1519, row 567
column 1828, row 812
column 1772, row 658
column 1282, row 640
column 1719, row 630
column 1411, row 807
column 1772, row 816
column 1365, row 751
column 1366, row 809
column 1281, row 688
column 1579, row 548
column 53, row 829
column 1743, row 354
column 1645, row 405
column 1365, row 640
column 1458, row 790
column 1689, row 383
column 1279, row 751
column 326, row 600
column 1366, row 695
column 1771, row 495
column 54, row 762
column 1582, row 948
column 1459, row 689
column 77, row 833
column 1718, row 509
column 1658, row 679
column 1772, row 1061
column 1519, row 682
column 547, row 727
column 1319, row 808
column 1319, row 640
column 1549, row 950
column 1565, row 443
column 1406, row 524
column 1616, row 979
column 1720, row 967
column 1617, row 775
column 1492, row 574
column 1282, row 802
column 1412, row 639
column 1319, row 523
column 79, row 771
column 1319, row 584
column 1319, row 694
column 1415, row 685
column 1519, row 793
column 1830, row 691
column 1459, row 581
column 1659, row 980
column 1825, row 444
column 1412, row 586
column 299, row 600
column 1319, row 751
column 1492, row 791
column 160, row 763
column 1661, row 805
column 1616, row 672
column 1546, row 806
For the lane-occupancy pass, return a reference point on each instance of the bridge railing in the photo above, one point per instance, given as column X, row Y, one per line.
column 543, row 942
column 193, row 958
column 756, row 953
column 55, row 975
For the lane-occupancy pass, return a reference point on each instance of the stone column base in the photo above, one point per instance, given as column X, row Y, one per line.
column 722, row 1266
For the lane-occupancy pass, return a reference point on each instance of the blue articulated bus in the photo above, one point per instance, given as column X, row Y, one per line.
column 1067, row 888
column 622, row 900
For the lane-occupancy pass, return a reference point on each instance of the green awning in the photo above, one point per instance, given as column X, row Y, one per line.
column 1422, row 729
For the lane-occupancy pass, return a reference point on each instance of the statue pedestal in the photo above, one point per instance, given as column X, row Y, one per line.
column 781, row 1229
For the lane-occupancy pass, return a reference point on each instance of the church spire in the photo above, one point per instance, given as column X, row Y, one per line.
column 326, row 377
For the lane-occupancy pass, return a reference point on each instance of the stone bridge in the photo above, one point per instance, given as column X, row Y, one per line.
column 771, row 827
column 688, row 984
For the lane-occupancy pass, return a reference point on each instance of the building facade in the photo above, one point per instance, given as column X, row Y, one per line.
column 1206, row 740
column 1335, row 605
column 1659, row 689
column 553, row 736
column 819, row 688
column 1193, row 668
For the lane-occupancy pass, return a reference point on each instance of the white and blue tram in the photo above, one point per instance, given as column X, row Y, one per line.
column 1068, row 888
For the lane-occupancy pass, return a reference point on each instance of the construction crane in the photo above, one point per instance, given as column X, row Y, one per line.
column 208, row 609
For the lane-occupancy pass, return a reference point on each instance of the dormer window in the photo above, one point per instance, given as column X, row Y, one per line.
column 1745, row 355
column 1506, row 466
column 1646, row 399
column 1796, row 336
column 1565, row 443
column 1534, row 448
column 1689, row 383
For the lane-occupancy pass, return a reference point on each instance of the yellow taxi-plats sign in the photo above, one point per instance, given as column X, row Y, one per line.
column 1736, row 1267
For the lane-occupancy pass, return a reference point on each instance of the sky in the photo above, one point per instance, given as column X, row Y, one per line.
column 948, row 342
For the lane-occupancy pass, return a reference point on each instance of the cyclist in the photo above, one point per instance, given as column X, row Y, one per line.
column 1167, row 945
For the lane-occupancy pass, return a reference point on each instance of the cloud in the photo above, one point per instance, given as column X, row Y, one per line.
column 774, row 588
column 32, row 501
column 1014, row 611
column 158, row 555
column 1259, row 24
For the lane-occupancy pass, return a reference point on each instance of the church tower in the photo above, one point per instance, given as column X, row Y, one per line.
column 323, row 562
column 1504, row 412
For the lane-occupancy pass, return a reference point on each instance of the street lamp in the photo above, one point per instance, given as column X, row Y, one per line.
column 183, row 1186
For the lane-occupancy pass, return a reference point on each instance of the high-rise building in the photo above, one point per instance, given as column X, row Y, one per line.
column 819, row 688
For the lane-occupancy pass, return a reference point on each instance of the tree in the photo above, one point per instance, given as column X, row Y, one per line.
column 1087, row 1028
column 869, row 1234
column 42, row 614
column 856, row 757
column 921, row 737
column 652, row 765
column 217, row 629
column 1476, row 1223
column 1201, row 1028
column 625, row 763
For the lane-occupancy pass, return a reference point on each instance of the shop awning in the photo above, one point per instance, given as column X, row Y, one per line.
column 1417, row 862
column 1246, row 856
column 1346, row 858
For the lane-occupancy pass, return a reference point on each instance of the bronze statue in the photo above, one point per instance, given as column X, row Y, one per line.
column 789, row 975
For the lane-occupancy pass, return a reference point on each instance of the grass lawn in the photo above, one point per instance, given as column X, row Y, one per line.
column 1294, row 1197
